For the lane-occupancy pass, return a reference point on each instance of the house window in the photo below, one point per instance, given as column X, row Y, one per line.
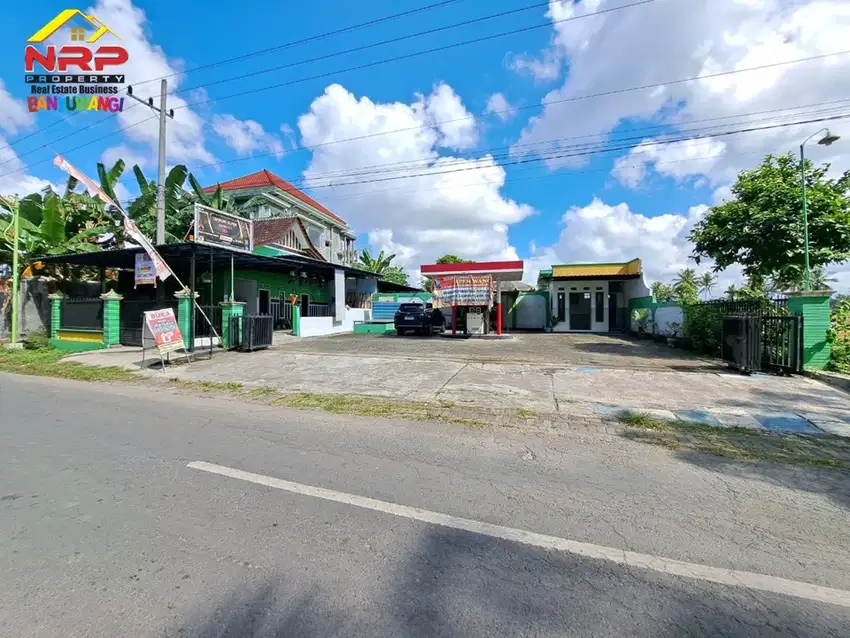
column 600, row 307
column 78, row 34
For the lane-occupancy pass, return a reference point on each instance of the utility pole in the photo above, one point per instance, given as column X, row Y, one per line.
column 163, row 112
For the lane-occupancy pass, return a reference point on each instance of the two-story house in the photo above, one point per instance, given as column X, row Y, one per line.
column 287, row 219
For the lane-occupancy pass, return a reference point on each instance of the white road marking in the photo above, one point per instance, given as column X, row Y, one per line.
column 733, row 577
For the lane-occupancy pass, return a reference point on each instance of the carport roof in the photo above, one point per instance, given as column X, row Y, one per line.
column 178, row 254
column 498, row 270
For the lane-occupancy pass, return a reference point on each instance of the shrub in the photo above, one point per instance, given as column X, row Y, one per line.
column 703, row 325
column 37, row 341
column 839, row 337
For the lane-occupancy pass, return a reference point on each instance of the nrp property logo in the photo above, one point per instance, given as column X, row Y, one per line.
column 86, row 72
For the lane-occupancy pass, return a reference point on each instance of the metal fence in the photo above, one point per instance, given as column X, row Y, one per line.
column 281, row 311
column 202, row 327
column 131, row 319
column 81, row 313
column 775, row 306
column 250, row 332
column 751, row 343
column 318, row 310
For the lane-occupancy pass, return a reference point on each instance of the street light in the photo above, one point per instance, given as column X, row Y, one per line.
column 826, row 140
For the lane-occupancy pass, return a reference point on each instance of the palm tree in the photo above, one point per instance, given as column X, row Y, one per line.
column 706, row 283
column 686, row 277
column 375, row 264
column 731, row 292
column 820, row 279
column 662, row 291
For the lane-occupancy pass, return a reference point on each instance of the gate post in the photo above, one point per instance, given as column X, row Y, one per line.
column 229, row 309
column 111, row 318
column 813, row 306
column 185, row 306
column 296, row 320
column 55, row 313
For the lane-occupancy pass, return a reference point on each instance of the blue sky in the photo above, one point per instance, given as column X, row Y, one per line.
column 638, row 201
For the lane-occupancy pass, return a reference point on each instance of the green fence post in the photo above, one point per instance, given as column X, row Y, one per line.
column 813, row 305
column 111, row 318
column 185, row 306
column 229, row 309
column 296, row 321
column 55, row 313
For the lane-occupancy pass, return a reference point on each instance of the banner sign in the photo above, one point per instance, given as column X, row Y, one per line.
column 462, row 290
column 166, row 333
column 223, row 229
column 162, row 269
column 145, row 271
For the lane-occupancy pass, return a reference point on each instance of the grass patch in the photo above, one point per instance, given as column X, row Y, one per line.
column 738, row 443
column 46, row 362
column 525, row 413
column 360, row 405
column 262, row 391
column 447, row 404
column 207, row 386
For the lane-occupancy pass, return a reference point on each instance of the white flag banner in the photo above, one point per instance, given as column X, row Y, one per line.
column 130, row 227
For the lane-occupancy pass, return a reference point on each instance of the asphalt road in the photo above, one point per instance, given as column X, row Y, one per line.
column 105, row 529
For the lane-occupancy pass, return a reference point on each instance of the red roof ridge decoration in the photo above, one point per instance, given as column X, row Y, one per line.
column 269, row 231
column 266, row 178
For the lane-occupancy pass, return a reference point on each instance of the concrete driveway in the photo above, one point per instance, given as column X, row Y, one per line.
column 574, row 375
column 593, row 350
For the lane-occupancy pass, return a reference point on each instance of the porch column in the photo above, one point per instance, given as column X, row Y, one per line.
column 55, row 313
column 229, row 310
column 111, row 318
column 813, row 306
column 498, row 307
column 185, row 313
column 296, row 320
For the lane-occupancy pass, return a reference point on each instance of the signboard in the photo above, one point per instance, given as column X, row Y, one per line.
column 462, row 290
column 162, row 324
column 145, row 270
column 223, row 229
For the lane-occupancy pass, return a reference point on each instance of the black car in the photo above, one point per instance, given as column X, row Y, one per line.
column 419, row 318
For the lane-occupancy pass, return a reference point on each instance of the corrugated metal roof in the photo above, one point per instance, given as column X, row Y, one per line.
column 630, row 268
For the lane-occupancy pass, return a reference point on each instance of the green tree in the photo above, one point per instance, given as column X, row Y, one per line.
column 454, row 259
column 706, row 283
column 179, row 213
column 731, row 292
column 395, row 275
column 662, row 291
column 794, row 280
column 761, row 227
column 686, row 286
column 382, row 264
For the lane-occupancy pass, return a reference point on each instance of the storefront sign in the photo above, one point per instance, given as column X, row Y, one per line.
column 162, row 325
column 223, row 229
column 145, row 270
column 462, row 290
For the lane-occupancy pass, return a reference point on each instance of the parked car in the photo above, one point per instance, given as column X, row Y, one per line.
column 419, row 318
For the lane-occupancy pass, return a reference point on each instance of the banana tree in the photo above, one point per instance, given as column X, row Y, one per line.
column 178, row 204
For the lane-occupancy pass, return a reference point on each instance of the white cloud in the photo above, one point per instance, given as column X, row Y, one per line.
column 666, row 41
column 246, row 136
column 499, row 106
column 14, row 178
column 13, row 113
column 456, row 125
column 131, row 157
column 678, row 160
column 600, row 232
column 546, row 68
column 425, row 215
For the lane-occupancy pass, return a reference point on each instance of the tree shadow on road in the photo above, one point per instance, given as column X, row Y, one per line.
column 461, row 583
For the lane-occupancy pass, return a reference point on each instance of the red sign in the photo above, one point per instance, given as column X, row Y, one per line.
column 166, row 333
column 63, row 58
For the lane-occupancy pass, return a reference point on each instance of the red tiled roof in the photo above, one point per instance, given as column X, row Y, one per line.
column 267, row 178
column 269, row 231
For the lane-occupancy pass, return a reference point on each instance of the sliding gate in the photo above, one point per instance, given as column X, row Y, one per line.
column 751, row 343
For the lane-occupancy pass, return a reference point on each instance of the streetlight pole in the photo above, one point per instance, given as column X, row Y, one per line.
column 826, row 140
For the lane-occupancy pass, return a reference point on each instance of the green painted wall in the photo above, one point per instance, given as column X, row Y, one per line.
column 815, row 312
column 396, row 297
column 278, row 283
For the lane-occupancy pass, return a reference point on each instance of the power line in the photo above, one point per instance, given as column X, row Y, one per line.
column 279, row 47
column 401, row 165
column 581, row 153
column 418, row 53
column 538, row 5
column 373, row 45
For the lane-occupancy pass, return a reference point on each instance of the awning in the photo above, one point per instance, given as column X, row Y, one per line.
column 178, row 255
